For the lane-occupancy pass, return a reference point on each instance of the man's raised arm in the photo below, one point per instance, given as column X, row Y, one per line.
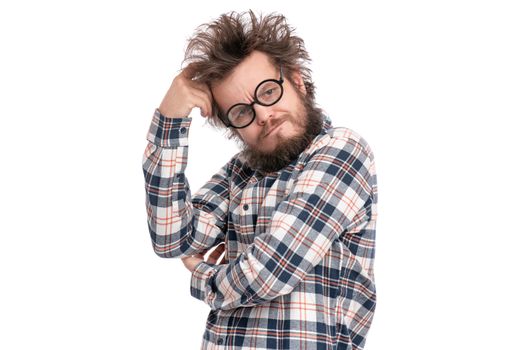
column 180, row 226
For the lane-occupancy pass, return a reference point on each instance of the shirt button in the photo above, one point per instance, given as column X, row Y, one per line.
column 183, row 130
column 220, row 341
column 246, row 207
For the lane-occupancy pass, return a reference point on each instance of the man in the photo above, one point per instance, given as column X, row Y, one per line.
column 294, row 212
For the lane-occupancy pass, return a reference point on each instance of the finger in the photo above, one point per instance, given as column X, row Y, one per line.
column 205, row 89
column 223, row 260
column 215, row 254
column 201, row 100
column 213, row 257
column 190, row 258
column 205, row 95
column 192, row 261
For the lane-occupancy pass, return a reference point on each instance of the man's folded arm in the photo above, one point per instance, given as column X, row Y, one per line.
column 332, row 194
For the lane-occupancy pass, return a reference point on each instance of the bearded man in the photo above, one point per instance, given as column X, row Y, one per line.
column 294, row 212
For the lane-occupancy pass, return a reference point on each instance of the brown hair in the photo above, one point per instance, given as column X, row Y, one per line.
column 216, row 48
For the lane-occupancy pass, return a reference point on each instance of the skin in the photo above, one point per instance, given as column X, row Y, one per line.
column 272, row 125
column 239, row 87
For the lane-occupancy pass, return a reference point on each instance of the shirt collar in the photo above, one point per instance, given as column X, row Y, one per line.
column 326, row 123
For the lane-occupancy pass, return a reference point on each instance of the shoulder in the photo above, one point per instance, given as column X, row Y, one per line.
column 340, row 157
column 343, row 141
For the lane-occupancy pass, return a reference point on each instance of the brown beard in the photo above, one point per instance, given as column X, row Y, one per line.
column 287, row 150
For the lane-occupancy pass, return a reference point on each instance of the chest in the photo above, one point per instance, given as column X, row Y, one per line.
column 251, row 207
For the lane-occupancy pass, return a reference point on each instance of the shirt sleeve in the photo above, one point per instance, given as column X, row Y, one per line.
column 332, row 194
column 179, row 225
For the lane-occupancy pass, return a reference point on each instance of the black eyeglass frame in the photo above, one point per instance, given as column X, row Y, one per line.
column 280, row 82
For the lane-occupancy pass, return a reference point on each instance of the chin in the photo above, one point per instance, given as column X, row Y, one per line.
column 266, row 150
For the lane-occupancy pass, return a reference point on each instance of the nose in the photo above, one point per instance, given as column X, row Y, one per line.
column 263, row 113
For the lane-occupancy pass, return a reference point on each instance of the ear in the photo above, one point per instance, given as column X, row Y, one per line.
column 299, row 82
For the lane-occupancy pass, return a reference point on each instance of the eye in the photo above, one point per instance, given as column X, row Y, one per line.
column 242, row 112
column 269, row 92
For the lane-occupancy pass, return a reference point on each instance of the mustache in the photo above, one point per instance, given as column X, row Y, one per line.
column 276, row 123
column 287, row 149
column 269, row 128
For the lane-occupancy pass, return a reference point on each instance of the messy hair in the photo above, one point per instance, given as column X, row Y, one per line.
column 216, row 48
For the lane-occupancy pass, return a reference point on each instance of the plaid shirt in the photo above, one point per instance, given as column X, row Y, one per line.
column 300, row 242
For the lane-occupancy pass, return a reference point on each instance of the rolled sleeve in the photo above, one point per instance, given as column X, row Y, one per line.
column 202, row 281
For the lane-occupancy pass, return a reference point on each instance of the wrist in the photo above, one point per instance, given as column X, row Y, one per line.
column 168, row 132
column 167, row 113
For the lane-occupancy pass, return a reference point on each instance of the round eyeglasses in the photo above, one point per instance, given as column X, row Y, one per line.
column 267, row 93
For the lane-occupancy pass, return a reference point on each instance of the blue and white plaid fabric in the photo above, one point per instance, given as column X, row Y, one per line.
column 300, row 242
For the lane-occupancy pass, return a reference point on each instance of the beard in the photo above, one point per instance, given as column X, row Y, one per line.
column 309, row 120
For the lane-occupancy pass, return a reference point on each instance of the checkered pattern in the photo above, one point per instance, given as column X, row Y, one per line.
column 300, row 242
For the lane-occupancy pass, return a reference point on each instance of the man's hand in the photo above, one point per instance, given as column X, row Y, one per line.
column 192, row 261
column 184, row 95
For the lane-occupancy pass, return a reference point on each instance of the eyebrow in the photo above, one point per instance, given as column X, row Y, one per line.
column 252, row 97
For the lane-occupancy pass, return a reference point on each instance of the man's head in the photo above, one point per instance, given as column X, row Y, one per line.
column 233, row 55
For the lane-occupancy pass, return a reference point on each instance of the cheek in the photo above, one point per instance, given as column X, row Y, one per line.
column 290, row 130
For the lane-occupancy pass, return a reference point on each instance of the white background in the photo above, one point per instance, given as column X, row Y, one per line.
column 436, row 88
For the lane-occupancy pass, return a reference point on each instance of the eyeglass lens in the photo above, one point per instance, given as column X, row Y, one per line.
column 266, row 94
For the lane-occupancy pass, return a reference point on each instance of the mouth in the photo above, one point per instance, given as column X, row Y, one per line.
column 273, row 128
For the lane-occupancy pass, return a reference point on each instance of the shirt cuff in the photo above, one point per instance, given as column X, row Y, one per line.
column 168, row 132
column 202, row 281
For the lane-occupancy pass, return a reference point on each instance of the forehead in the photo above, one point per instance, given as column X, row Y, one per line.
column 240, row 84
